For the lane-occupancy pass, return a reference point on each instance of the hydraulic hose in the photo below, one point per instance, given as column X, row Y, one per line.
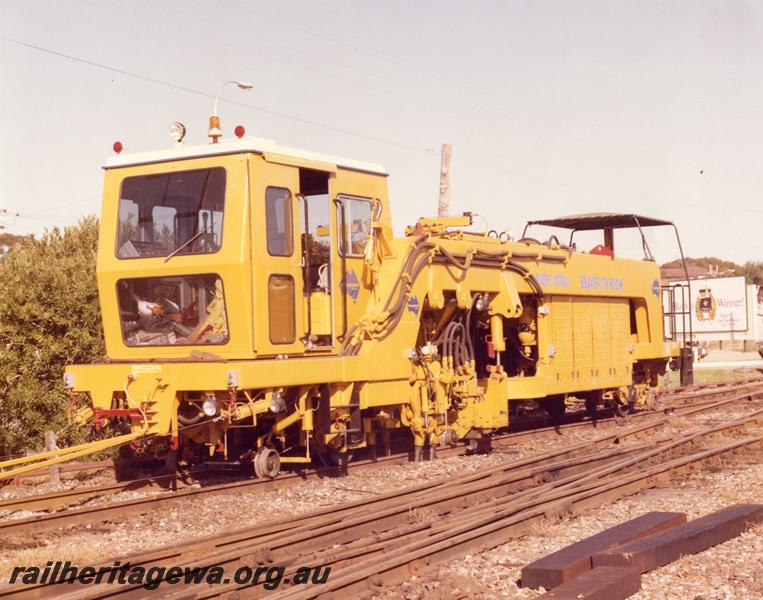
column 421, row 243
column 411, row 269
column 412, row 276
column 454, row 261
column 188, row 422
column 469, row 328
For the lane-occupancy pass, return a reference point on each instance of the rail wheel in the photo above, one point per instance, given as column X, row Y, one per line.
column 623, row 403
column 267, row 463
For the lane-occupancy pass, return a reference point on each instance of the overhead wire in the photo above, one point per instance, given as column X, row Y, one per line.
column 472, row 111
column 194, row 91
column 65, row 205
column 268, row 42
column 419, row 150
column 583, row 129
column 344, row 131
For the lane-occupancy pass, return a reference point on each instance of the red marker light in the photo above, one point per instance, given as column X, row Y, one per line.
column 117, row 146
column 239, row 131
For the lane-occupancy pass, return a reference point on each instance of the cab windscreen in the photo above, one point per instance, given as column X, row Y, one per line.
column 171, row 214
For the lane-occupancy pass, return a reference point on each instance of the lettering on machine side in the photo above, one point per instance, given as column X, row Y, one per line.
column 594, row 282
column 546, row 280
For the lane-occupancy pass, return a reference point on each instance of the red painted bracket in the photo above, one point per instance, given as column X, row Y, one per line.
column 602, row 250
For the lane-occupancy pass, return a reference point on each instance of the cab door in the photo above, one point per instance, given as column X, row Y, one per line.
column 276, row 259
column 352, row 200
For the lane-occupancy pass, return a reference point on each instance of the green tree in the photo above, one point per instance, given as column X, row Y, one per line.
column 724, row 267
column 9, row 240
column 753, row 270
column 49, row 318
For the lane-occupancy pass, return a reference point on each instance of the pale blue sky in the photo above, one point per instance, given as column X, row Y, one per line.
column 552, row 107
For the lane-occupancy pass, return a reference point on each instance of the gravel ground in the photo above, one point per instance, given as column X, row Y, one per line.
column 69, row 481
column 208, row 515
column 729, row 571
column 214, row 514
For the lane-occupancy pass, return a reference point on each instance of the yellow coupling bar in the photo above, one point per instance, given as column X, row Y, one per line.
column 47, row 459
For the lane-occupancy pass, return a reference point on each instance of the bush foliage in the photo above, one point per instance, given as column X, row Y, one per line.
column 9, row 240
column 752, row 270
column 49, row 318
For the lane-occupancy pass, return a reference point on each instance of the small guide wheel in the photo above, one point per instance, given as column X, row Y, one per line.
column 267, row 463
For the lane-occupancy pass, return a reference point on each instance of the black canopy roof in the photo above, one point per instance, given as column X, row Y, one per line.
column 590, row 221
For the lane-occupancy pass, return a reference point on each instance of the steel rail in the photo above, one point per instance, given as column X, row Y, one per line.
column 397, row 539
column 68, row 498
column 315, row 530
column 368, row 542
column 360, row 580
column 278, row 542
column 144, row 505
column 482, row 529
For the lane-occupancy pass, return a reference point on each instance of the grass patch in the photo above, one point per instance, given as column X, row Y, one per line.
column 713, row 376
column 720, row 375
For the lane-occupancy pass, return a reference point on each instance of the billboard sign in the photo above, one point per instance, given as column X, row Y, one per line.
column 719, row 305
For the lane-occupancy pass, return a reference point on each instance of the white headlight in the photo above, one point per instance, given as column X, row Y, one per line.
column 209, row 407
column 69, row 380
column 177, row 132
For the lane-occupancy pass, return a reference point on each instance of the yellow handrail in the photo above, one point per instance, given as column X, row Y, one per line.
column 54, row 457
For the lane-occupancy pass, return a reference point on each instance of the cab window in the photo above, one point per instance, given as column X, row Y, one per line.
column 355, row 215
column 166, row 213
column 281, row 309
column 278, row 221
column 173, row 311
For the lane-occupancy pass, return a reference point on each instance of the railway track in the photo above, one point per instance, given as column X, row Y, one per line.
column 375, row 541
column 483, row 528
column 171, row 482
column 188, row 489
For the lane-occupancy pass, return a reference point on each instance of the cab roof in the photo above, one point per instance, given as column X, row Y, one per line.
column 254, row 145
column 584, row 222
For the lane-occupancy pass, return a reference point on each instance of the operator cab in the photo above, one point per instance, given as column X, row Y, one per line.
column 235, row 249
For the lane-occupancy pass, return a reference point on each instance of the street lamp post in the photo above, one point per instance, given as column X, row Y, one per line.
column 214, row 121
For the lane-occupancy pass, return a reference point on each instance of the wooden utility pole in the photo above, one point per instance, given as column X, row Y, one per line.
column 443, row 206
column 50, row 446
